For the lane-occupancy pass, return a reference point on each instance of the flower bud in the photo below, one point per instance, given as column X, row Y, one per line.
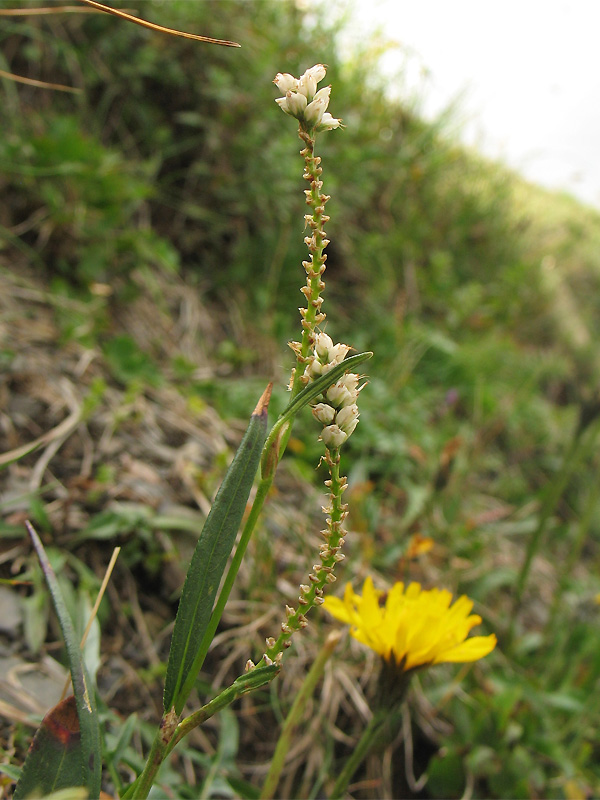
column 314, row 112
column 323, row 344
column 338, row 353
column 307, row 86
column 333, row 436
column 282, row 102
column 317, row 107
column 296, row 103
column 350, row 381
column 350, row 427
column 286, row 82
column 339, row 395
column 329, row 123
column 317, row 72
column 324, row 413
column 347, row 417
column 315, row 368
column 323, row 96
column 303, row 101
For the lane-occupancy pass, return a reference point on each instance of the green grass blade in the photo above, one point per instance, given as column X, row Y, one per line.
column 209, row 561
column 90, row 753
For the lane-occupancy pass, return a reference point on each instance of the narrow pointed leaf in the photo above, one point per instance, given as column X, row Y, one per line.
column 85, row 700
column 209, row 561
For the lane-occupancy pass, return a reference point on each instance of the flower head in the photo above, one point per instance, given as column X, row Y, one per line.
column 414, row 627
column 303, row 101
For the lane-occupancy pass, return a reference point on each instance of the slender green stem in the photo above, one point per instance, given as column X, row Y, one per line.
column 315, row 266
column 170, row 733
column 295, row 715
column 367, row 740
column 140, row 789
column 222, row 700
column 316, row 243
column 199, row 717
column 330, row 555
column 248, row 682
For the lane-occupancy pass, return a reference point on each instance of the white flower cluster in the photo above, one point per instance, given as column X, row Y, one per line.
column 303, row 101
column 339, row 414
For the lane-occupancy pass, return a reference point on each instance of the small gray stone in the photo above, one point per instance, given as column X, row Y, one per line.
column 11, row 613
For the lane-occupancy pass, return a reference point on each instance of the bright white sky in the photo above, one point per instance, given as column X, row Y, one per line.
column 526, row 72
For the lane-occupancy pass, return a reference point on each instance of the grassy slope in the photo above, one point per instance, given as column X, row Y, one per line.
column 476, row 291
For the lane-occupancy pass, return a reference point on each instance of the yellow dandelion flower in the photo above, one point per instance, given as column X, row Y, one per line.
column 416, row 627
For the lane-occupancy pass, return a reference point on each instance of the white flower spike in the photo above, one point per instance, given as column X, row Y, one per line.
column 304, row 102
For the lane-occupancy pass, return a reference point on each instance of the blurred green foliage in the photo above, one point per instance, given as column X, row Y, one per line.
column 477, row 293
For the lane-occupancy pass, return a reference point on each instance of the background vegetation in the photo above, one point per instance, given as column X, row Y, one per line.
column 151, row 243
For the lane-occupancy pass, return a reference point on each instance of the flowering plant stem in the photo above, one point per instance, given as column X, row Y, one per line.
column 167, row 735
column 140, row 788
column 309, row 106
column 312, row 594
column 316, row 244
column 371, row 734
column 170, row 733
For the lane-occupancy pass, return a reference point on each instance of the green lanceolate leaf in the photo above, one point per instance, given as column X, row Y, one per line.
column 209, row 560
column 76, row 742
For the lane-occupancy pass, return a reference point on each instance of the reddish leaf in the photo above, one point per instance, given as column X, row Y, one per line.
column 55, row 759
